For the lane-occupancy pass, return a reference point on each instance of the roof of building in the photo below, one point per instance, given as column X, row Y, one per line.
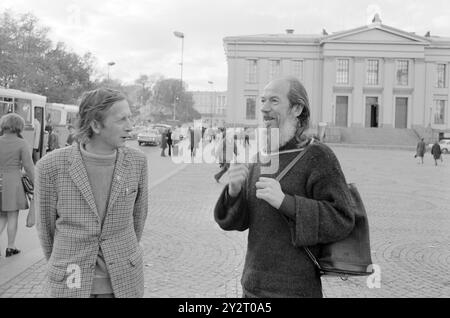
column 291, row 37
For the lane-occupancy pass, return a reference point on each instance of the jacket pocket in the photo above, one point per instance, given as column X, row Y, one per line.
column 136, row 257
column 56, row 274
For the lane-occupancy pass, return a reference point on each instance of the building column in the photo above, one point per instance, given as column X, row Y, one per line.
column 388, row 96
column 329, row 78
column 358, row 104
column 430, row 71
column 416, row 111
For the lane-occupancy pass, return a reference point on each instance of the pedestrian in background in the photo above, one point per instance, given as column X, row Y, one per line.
column 36, row 139
column 169, row 141
column 421, row 149
column 71, row 137
column 15, row 154
column 163, row 142
column 91, row 204
column 225, row 153
column 53, row 139
column 436, row 152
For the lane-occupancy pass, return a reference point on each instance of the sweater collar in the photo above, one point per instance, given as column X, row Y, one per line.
column 298, row 142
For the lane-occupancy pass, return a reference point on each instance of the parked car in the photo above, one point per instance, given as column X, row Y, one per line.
column 444, row 144
column 161, row 127
column 136, row 131
column 150, row 137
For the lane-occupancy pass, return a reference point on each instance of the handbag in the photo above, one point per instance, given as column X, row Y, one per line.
column 350, row 256
column 28, row 186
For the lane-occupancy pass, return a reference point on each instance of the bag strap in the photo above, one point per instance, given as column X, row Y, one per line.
column 281, row 176
column 290, row 165
column 293, row 163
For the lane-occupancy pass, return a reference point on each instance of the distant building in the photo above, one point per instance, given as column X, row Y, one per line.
column 371, row 76
column 212, row 106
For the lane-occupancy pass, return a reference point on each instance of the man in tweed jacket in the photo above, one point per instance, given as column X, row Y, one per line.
column 91, row 204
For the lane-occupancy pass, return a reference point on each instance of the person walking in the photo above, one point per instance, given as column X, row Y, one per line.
column 91, row 203
column 36, row 139
column 436, row 152
column 15, row 154
column 224, row 153
column 169, row 141
column 311, row 206
column 163, row 142
column 421, row 149
column 53, row 139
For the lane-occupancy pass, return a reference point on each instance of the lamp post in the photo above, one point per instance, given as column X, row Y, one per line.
column 109, row 66
column 181, row 36
column 212, row 100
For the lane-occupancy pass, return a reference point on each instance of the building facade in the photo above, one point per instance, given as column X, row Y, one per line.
column 371, row 76
column 212, row 106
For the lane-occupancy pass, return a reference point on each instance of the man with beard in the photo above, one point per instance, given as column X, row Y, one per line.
column 311, row 206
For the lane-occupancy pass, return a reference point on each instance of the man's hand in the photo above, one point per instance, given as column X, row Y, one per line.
column 238, row 173
column 269, row 190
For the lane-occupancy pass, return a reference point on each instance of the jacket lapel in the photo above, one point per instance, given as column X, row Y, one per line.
column 78, row 173
column 118, row 178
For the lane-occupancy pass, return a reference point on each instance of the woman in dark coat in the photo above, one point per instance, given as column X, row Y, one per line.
column 436, row 152
column 169, row 141
column 163, row 143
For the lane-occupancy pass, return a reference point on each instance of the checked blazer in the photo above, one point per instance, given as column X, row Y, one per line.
column 70, row 230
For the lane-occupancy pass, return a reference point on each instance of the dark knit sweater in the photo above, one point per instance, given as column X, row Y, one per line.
column 321, row 209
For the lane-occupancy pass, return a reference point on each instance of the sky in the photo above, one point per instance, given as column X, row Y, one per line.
column 138, row 34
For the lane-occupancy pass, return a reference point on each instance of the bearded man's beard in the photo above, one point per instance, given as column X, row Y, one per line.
column 275, row 138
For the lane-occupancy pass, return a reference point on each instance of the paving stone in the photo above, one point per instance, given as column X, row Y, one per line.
column 187, row 255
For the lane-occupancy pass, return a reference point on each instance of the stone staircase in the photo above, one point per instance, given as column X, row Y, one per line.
column 372, row 136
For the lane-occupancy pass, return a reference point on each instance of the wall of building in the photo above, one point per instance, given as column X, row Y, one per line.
column 319, row 56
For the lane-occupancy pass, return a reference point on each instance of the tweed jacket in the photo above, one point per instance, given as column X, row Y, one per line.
column 70, row 230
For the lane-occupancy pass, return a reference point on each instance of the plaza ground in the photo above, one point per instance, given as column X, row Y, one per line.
column 188, row 256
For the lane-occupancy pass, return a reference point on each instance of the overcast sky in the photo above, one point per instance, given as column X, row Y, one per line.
column 138, row 34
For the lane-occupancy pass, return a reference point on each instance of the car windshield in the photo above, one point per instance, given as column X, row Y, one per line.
column 152, row 132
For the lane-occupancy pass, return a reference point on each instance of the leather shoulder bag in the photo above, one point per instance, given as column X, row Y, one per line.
column 350, row 256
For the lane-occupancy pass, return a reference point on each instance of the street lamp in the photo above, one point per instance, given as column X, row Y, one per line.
column 181, row 36
column 109, row 66
column 212, row 100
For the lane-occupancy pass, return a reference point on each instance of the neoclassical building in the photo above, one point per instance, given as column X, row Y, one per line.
column 212, row 106
column 371, row 76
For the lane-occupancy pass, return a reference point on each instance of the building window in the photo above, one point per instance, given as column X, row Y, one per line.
column 372, row 72
column 251, row 71
column 251, row 107
column 439, row 112
column 297, row 69
column 441, row 75
column 274, row 69
column 342, row 71
column 402, row 72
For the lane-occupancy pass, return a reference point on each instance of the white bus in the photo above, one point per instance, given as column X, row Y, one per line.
column 28, row 106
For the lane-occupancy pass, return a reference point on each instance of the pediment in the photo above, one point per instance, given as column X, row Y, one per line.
column 375, row 34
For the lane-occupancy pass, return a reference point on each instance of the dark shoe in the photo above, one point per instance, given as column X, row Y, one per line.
column 11, row 252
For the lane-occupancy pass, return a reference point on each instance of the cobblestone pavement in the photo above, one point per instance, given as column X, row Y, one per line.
column 187, row 255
